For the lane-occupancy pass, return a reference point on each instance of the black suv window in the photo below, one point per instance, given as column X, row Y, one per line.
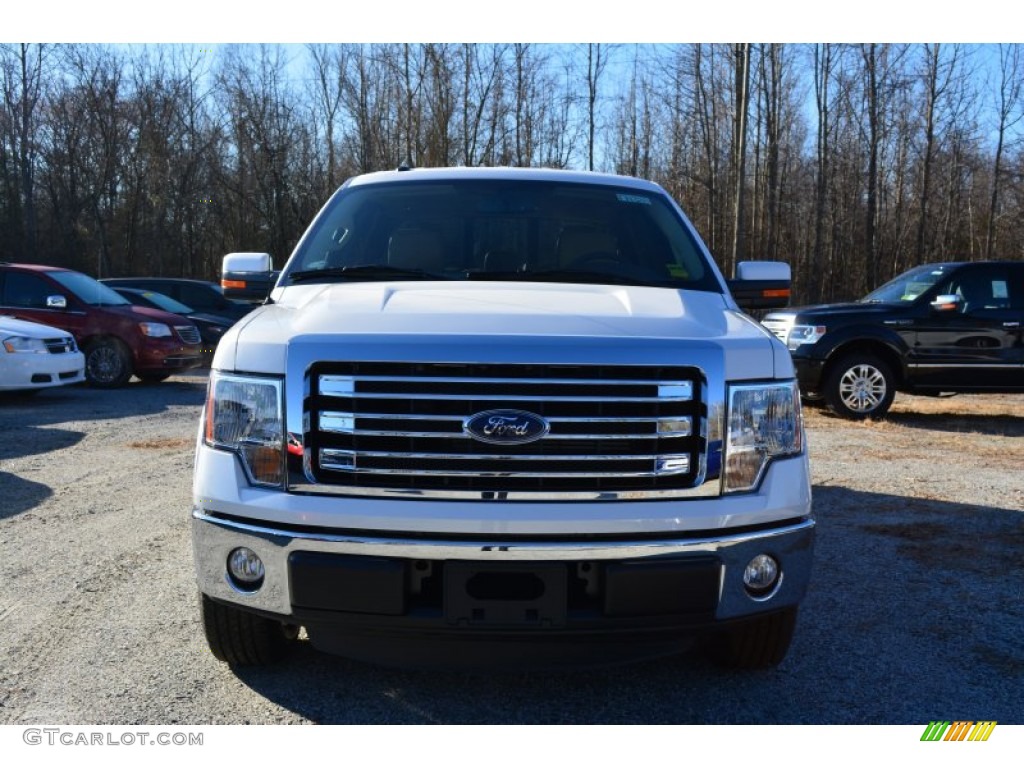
column 979, row 289
column 199, row 297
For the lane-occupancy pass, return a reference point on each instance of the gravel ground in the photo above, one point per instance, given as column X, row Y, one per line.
column 915, row 611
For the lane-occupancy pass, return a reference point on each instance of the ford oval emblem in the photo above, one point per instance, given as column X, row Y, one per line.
column 506, row 427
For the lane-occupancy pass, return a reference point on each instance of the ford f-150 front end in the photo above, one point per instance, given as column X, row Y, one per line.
column 492, row 416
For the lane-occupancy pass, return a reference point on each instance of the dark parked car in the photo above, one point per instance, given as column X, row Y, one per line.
column 211, row 326
column 118, row 339
column 201, row 295
column 936, row 329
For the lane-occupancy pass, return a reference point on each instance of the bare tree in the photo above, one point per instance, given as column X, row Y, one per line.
column 937, row 76
column 597, row 61
column 1009, row 112
column 22, row 68
column 741, row 102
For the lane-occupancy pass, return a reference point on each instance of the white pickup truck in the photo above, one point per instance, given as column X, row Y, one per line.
column 499, row 416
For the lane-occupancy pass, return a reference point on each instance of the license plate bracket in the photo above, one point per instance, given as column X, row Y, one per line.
column 505, row 595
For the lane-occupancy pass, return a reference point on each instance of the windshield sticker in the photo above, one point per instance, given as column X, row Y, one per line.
column 639, row 199
column 677, row 270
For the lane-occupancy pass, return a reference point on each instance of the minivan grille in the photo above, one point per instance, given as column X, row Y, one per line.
column 188, row 333
column 403, row 426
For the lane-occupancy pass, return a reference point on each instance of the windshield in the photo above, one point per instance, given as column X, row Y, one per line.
column 88, row 290
column 908, row 286
column 501, row 230
column 166, row 303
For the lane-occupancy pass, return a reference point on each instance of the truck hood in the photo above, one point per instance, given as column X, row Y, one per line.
column 499, row 321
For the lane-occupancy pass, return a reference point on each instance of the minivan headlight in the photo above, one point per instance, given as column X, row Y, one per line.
column 764, row 423
column 155, row 330
column 244, row 415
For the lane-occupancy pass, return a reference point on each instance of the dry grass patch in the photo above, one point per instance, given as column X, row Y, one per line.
column 162, row 443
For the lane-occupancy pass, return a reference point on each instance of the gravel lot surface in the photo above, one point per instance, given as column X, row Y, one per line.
column 915, row 611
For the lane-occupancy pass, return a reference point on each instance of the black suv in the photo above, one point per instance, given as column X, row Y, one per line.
column 201, row 295
column 936, row 329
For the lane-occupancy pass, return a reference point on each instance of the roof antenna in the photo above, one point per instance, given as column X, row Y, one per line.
column 406, row 166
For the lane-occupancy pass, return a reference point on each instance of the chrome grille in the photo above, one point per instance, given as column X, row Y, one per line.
column 61, row 346
column 401, row 426
column 188, row 333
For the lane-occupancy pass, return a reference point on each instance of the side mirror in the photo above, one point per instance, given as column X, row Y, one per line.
column 761, row 284
column 56, row 302
column 247, row 276
column 947, row 302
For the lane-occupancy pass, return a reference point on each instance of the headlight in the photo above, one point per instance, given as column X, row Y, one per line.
column 24, row 344
column 155, row 329
column 804, row 334
column 244, row 415
column 764, row 424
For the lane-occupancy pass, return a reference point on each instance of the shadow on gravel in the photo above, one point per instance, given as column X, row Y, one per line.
column 23, row 421
column 914, row 611
column 26, row 424
column 1009, row 425
column 28, row 440
column 19, row 495
column 983, row 424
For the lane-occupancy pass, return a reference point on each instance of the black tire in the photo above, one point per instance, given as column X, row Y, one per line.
column 153, row 378
column 860, row 386
column 108, row 364
column 812, row 399
column 756, row 643
column 243, row 639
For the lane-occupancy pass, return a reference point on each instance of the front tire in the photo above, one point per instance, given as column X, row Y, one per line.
column 107, row 364
column 243, row 639
column 756, row 643
column 860, row 386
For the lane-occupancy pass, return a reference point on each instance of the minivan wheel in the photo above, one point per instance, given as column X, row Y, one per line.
column 243, row 639
column 860, row 386
column 107, row 364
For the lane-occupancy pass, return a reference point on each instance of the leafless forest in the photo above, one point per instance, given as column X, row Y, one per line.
column 851, row 162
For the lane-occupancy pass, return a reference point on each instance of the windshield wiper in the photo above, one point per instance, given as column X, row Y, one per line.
column 363, row 272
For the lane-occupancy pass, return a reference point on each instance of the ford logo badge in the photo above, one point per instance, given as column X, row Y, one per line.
column 506, row 427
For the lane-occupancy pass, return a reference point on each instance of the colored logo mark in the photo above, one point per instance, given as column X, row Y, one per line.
column 959, row 730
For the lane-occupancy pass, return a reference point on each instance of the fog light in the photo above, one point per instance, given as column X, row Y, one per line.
column 246, row 569
column 761, row 575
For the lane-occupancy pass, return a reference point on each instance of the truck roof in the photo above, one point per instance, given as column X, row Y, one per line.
column 499, row 173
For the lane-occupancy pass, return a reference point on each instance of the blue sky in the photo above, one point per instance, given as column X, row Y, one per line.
column 204, row 21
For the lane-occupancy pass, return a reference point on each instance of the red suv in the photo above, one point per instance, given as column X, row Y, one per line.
column 118, row 339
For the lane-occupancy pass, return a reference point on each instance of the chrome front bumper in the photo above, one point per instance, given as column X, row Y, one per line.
column 214, row 538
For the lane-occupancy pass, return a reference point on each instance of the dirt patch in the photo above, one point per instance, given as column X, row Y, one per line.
column 162, row 443
column 958, row 545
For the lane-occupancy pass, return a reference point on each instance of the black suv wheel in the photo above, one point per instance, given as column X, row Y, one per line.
column 859, row 386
